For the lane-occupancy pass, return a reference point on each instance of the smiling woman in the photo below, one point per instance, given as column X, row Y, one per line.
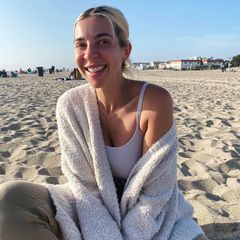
column 98, row 53
column 118, row 151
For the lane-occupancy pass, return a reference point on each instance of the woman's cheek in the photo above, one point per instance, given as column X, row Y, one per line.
column 79, row 64
column 78, row 60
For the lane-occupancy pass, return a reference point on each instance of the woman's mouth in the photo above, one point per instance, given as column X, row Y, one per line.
column 96, row 69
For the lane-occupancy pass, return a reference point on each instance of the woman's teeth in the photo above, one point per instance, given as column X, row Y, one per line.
column 95, row 69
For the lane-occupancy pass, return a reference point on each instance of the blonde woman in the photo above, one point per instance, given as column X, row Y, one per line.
column 118, row 151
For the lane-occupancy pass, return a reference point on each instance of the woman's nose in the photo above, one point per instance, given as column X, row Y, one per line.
column 90, row 52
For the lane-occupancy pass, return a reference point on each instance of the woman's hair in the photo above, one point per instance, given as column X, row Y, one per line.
column 118, row 22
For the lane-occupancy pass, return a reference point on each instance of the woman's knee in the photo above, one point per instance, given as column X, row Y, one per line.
column 24, row 205
column 11, row 198
column 24, row 195
column 21, row 194
column 8, row 194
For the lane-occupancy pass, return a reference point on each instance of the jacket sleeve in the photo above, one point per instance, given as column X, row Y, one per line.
column 94, row 217
column 156, row 202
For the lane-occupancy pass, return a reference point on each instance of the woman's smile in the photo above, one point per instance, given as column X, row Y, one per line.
column 96, row 69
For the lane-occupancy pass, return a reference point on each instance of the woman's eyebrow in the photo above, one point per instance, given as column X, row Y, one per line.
column 97, row 36
column 79, row 39
column 103, row 35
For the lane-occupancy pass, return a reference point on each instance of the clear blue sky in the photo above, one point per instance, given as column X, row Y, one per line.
column 40, row 32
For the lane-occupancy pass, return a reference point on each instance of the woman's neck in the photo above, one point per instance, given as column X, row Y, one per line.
column 114, row 96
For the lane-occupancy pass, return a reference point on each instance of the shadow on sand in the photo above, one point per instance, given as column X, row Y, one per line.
column 222, row 231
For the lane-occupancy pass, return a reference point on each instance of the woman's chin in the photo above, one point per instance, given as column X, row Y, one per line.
column 95, row 83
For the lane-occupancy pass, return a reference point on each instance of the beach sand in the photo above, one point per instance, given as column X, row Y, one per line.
column 207, row 114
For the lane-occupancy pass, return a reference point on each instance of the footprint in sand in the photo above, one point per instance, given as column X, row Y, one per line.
column 226, row 123
column 48, row 119
column 43, row 171
column 185, row 154
column 5, row 154
column 16, row 135
column 184, row 170
column 11, row 120
column 55, row 171
column 206, row 185
column 229, row 165
column 236, row 148
column 2, row 169
column 7, row 139
column 209, row 123
column 176, row 109
column 20, row 115
column 15, row 126
column 4, row 129
column 185, row 142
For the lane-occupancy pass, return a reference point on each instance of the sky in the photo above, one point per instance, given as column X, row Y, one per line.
column 40, row 32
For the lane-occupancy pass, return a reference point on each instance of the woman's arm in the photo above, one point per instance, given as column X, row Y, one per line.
column 157, row 115
column 160, row 211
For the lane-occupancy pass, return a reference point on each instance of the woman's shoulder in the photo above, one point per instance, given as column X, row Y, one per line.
column 157, row 98
column 157, row 114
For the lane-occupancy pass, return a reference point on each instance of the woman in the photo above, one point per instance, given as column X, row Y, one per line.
column 118, row 144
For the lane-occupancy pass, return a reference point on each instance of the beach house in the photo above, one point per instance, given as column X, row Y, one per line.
column 185, row 64
column 211, row 63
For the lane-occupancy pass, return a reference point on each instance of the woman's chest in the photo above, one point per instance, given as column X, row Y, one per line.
column 118, row 128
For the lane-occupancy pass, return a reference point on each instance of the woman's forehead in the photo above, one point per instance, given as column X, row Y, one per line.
column 93, row 26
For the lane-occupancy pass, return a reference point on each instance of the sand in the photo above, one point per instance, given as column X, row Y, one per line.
column 207, row 114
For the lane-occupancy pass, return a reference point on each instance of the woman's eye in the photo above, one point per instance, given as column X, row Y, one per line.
column 104, row 43
column 80, row 45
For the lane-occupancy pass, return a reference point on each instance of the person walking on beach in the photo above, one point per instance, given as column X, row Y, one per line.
column 118, row 151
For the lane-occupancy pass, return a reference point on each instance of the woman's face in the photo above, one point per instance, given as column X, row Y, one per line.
column 97, row 52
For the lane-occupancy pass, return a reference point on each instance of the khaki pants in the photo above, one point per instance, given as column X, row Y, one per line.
column 27, row 212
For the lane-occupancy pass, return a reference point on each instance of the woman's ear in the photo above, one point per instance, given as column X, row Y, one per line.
column 127, row 51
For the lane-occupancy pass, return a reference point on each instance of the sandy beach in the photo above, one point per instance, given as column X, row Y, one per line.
column 207, row 114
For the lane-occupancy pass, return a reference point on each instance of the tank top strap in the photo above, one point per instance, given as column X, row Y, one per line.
column 140, row 101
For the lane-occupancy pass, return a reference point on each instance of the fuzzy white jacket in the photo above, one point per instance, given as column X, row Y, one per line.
column 152, row 206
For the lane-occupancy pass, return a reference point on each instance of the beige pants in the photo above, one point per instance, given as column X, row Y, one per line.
column 26, row 212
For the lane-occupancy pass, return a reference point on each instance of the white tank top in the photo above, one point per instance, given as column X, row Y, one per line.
column 123, row 158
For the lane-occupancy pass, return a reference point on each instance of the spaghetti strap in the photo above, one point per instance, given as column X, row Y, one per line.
column 140, row 101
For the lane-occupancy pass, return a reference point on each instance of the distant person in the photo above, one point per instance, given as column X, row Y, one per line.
column 53, row 69
column 223, row 69
column 4, row 74
column 75, row 74
column 118, row 151
column 22, row 72
column 14, row 74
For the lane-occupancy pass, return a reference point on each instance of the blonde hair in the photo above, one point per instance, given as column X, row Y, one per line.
column 118, row 22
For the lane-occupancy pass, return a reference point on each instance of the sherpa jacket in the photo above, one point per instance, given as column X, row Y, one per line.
column 151, row 207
